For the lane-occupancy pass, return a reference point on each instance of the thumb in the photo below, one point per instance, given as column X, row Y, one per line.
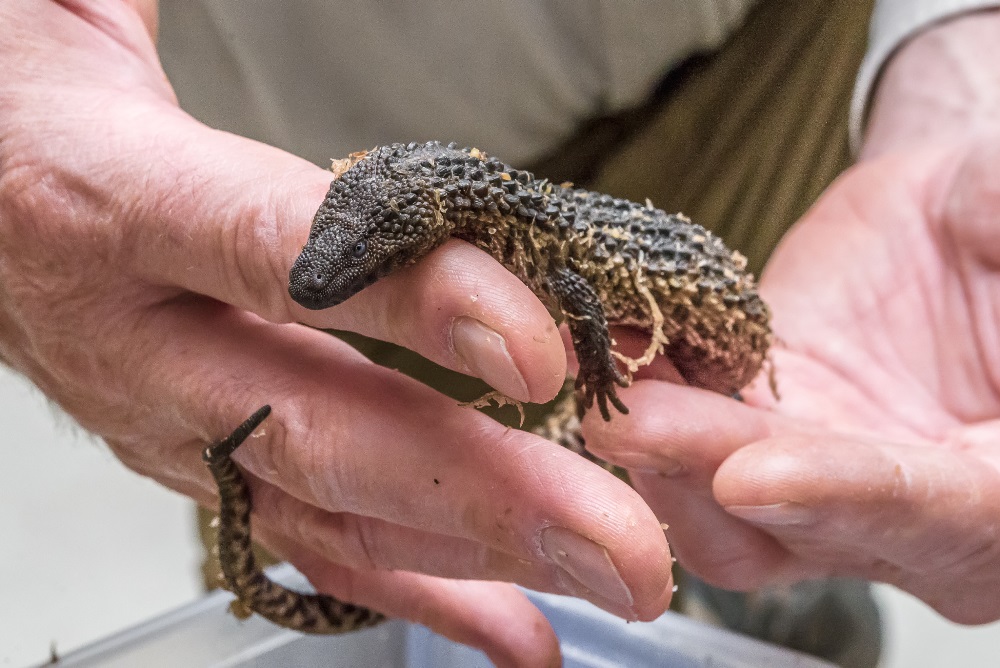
column 226, row 217
column 924, row 518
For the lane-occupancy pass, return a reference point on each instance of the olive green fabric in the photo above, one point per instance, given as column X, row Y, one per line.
column 742, row 140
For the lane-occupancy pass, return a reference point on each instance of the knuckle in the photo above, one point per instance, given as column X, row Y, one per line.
column 305, row 452
column 253, row 264
column 364, row 544
column 285, row 458
column 344, row 538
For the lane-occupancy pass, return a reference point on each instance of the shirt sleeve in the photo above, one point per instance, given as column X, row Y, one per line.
column 894, row 22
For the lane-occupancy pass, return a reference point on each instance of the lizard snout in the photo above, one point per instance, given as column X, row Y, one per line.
column 309, row 283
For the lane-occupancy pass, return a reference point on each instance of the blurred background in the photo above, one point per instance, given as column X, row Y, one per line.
column 88, row 548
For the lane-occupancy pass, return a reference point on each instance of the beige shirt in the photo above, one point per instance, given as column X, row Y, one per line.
column 322, row 78
column 893, row 23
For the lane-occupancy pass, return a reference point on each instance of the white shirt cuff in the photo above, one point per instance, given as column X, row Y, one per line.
column 894, row 22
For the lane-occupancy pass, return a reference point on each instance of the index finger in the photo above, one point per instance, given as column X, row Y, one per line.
column 231, row 215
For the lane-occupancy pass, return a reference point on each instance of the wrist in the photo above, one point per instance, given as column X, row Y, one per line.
column 941, row 86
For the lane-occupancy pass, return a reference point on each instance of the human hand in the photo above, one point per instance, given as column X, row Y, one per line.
column 882, row 458
column 143, row 269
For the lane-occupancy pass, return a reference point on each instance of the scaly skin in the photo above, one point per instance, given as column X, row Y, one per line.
column 587, row 256
column 593, row 259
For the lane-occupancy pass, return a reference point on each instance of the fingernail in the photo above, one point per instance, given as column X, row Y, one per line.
column 587, row 564
column 648, row 463
column 664, row 467
column 484, row 354
column 786, row 513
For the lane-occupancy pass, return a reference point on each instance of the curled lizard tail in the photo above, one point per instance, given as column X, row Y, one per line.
column 255, row 592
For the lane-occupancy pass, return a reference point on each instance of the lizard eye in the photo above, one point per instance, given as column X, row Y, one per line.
column 360, row 248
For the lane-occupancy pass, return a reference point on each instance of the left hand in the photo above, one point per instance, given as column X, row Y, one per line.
column 881, row 459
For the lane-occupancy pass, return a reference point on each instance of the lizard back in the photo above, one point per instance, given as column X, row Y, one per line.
column 396, row 203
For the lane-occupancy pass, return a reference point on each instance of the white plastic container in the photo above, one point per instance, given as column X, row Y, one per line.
column 205, row 634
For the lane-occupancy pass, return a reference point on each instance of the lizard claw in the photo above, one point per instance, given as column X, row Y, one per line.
column 600, row 384
column 604, row 395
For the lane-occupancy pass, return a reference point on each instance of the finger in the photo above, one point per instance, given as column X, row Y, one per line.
column 675, row 431
column 366, row 543
column 231, row 216
column 672, row 442
column 463, row 310
column 714, row 545
column 129, row 24
column 349, row 436
column 922, row 517
column 493, row 617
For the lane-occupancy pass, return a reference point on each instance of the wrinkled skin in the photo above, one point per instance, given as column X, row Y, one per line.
column 882, row 458
column 143, row 286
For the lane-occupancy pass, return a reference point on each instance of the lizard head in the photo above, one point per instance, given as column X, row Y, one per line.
column 373, row 220
column 336, row 263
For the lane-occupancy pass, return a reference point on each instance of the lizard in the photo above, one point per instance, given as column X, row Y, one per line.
column 591, row 258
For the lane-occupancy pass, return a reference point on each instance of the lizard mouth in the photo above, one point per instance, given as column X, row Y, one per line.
column 312, row 286
column 316, row 287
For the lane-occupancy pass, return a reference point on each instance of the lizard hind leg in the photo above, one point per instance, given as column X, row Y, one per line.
column 255, row 592
column 588, row 327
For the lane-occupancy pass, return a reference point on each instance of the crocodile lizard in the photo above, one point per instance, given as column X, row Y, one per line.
column 591, row 258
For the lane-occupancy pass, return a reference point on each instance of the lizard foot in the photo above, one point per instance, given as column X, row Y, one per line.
column 598, row 381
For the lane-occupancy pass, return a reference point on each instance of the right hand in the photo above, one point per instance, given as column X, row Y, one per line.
column 882, row 458
column 143, row 268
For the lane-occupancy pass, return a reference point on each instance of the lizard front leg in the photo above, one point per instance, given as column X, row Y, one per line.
column 588, row 328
